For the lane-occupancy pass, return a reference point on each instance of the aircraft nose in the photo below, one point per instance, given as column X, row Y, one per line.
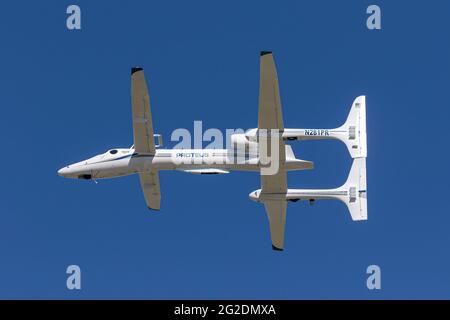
column 254, row 196
column 63, row 171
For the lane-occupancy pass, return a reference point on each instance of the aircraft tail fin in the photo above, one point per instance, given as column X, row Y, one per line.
column 356, row 187
column 355, row 136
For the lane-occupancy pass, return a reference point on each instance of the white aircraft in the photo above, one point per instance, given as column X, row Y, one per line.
column 146, row 158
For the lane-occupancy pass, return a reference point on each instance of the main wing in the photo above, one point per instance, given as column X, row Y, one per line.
column 276, row 208
column 151, row 189
column 142, row 117
column 269, row 118
column 269, row 115
column 276, row 212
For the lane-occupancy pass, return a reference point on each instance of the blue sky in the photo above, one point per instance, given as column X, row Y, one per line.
column 65, row 96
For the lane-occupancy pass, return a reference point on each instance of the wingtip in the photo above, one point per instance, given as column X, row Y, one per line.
column 136, row 69
column 153, row 209
column 277, row 249
column 263, row 53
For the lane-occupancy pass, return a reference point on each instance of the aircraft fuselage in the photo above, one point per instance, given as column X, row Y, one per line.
column 122, row 162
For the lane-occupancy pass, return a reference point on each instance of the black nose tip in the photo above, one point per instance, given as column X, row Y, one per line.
column 85, row 176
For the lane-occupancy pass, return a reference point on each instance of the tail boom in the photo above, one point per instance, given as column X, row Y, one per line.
column 353, row 192
column 352, row 133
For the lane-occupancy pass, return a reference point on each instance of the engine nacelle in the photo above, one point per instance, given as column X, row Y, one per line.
column 254, row 195
column 241, row 144
column 239, row 139
column 258, row 196
column 251, row 135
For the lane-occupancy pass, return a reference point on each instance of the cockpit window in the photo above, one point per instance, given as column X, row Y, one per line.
column 113, row 151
